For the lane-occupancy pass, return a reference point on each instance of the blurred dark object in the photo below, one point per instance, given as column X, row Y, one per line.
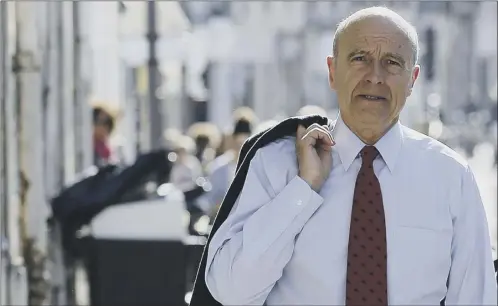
column 201, row 144
column 242, row 126
column 430, row 54
column 193, row 194
column 195, row 212
column 194, row 249
column 77, row 204
column 470, row 107
column 200, row 110
column 496, row 269
column 156, row 120
column 206, row 75
column 136, row 272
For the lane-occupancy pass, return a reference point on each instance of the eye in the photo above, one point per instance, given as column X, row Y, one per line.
column 393, row 62
column 358, row 58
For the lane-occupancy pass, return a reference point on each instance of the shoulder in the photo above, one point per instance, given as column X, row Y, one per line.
column 439, row 159
column 284, row 148
column 433, row 153
column 276, row 162
column 442, row 169
column 281, row 151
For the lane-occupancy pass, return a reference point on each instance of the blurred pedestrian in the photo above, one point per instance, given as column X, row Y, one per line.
column 207, row 138
column 104, row 122
column 312, row 110
column 224, row 145
column 245, row 113
column 370, row 213
column 222, row 169
column 187, row 168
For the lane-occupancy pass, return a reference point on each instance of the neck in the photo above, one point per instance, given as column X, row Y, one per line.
column 369, row 134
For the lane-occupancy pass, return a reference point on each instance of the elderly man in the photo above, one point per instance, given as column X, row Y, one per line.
column 370, row 213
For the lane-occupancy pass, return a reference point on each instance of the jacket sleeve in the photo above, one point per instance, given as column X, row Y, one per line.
column 249, row 251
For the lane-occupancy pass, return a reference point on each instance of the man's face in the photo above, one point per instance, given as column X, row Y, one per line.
column 373, row 74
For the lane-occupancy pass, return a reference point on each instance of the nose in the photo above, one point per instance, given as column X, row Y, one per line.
column 375, row 74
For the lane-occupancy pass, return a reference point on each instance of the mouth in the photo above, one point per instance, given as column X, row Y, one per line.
column 372, row 97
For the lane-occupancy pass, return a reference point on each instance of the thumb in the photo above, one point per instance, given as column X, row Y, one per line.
column 301, row 131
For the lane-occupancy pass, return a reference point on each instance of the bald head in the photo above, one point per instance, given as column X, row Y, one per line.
column 381, row 13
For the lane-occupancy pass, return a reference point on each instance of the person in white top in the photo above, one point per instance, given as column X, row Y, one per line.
column 186, row 168
column 222, row 169
column 299, row 226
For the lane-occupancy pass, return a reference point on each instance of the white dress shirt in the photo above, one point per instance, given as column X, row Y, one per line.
column 284, row 244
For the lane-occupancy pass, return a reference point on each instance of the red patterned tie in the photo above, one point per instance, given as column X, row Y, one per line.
column 367, row 252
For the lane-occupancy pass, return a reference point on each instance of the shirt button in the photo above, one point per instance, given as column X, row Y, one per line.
column 299, row 202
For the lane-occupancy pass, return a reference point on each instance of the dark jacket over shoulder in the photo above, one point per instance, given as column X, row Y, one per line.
column 288, row 127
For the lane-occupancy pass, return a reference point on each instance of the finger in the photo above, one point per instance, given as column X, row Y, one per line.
column 324, row 128
column 301, row 131
column 324, row 153
column 327, row 128
column 318, row 135
column 328, row 132
column 323, row 147
column 313, row 126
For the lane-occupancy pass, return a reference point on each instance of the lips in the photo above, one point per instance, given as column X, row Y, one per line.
column 372, row 97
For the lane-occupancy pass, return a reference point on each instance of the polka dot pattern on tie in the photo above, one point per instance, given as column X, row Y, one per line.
column 366, row 281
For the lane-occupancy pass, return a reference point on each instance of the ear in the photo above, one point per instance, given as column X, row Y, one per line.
column 415, row 74
column 331, row 67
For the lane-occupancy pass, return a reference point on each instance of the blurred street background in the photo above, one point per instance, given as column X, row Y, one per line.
column 121, row 121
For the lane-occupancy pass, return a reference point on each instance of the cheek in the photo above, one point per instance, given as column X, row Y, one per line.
column 400, row 87
column 351, row 78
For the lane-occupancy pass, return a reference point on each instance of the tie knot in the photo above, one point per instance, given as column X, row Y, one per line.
column 368, row 154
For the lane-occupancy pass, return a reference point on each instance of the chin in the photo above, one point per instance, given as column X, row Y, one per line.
column 373, row 123
column 371, row 117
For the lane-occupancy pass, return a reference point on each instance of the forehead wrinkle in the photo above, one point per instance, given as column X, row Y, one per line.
column 368, row 41
column 387, row 36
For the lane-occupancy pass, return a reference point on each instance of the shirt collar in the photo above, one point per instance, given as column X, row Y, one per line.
column 348, row 145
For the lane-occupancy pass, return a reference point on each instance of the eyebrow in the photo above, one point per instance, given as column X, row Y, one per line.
column 392, row 55
column 396, row 56
column 356, row 52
